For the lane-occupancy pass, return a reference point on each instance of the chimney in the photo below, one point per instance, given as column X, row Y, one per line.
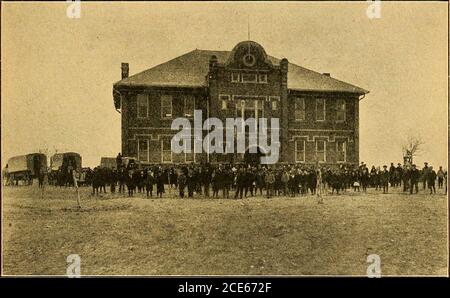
column 125, row 70
column 327, row 74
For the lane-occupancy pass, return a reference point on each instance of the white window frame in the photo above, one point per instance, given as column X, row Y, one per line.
column 224, row 98
column 162, row 152
column 139, row 150
column 344, row 111
column 233, row 80
column 304, row 108
column 344, row 142
column 138, row 105
column 324, row 110
column 249, row 73
column 273, row 99
column 171, row 106
column 304, row 151
column 262, row 81
column 186, row 98
column 324, row 149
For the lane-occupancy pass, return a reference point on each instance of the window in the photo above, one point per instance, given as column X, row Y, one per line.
column 274, row 105
column 189, row 106
column 340, row 110
column 262, row 78
column 299, row 109
column 341, row 149
column 320, row 109
column 248, row 77
column 143, row 150
column 166, row 150
column 300, row 151
column 142, row 105
column 321, row 151
column 166, row 106
column 189, row 157
column 224, row 99
column 235, row 77
column 274, row 101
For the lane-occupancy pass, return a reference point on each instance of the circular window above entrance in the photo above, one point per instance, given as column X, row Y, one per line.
column 249, row 60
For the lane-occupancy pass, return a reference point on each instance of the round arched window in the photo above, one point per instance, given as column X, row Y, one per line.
column 249, row 60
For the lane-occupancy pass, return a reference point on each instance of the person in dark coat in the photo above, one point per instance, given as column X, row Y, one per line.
column 240, row 183
column 215, row 181
column 425, row 172
column 149, row 181
column 384, row 179
column 130, row 183
column 431, row 180
column 206, row 179
column 260, row 181
column 414, row 178
column 160, row 183
column 191, row 182
column 392, row 174
column 270, row 182
column 181, row 181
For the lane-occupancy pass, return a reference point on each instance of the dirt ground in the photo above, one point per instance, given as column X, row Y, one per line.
column 116, row 235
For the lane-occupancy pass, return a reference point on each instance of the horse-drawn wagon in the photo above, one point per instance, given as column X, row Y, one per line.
column 62, row 166
column 25, row 168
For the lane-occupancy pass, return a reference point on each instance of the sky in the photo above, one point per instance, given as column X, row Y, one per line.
column 57, row 72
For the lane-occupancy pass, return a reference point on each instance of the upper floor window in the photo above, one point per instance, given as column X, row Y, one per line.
column 224, row 101
column 274, row 101
column 299, row 109
column 248, row 77
column 340, row 110
column 321, row 150
column 142, row 105
column 341, row 149
column 320, row 109
column 166, row 106
column 189, row 106
column 262, row 78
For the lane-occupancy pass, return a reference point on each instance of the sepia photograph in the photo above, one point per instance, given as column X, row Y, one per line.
column 209, row 139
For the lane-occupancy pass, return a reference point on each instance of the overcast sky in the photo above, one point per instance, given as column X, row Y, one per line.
column 57, row 73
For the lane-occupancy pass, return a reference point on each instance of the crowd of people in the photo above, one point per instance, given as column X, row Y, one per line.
column 243, row 180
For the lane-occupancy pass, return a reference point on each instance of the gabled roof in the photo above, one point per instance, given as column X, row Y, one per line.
column 190, row 70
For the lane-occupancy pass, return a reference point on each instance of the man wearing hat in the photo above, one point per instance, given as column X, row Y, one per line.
column 414, row 176
column 431, row 180
column 425, row 172
column 384, row 179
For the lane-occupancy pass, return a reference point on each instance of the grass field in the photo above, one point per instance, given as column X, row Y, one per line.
column 116, row 235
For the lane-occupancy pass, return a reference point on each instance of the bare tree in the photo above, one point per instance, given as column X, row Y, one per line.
column 412, row 147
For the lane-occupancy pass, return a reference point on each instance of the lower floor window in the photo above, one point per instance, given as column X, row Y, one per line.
column 300, row 151
column 143, row 150
column 166, row 150
column 341, row 149
column 321, row 151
